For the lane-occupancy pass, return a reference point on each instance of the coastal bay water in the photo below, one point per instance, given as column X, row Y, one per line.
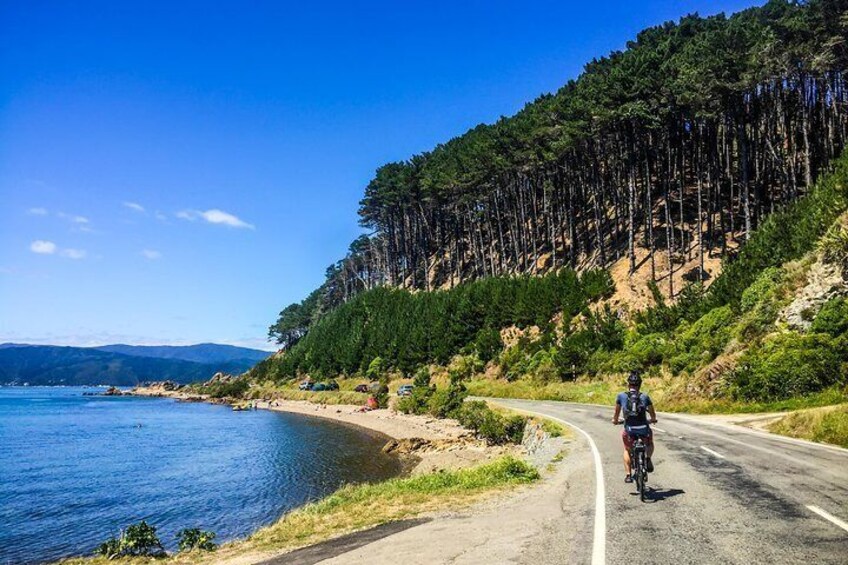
column 75, row 469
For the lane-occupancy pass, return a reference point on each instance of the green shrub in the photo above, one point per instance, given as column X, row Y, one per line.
column 489, row 425
column 376, row 369
column 464, row 367
column 235, row 388
column 832, row 318
column 762, row 289
column 190, row 539
column 488, row 344
column 138, row 540
column 649, row 350
column 597, row 284
column 834, row 243
column 787, row 365
column 703, row 340
column 573, row 352
column 445, row 402
column 382, row 395
column 544, row 368
column 472, row 413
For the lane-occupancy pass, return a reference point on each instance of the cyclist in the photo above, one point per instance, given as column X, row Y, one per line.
column 636, row 406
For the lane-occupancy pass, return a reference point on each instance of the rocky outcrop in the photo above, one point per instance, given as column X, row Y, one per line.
column 219, row 378
column 417, row 445
column 824, row 281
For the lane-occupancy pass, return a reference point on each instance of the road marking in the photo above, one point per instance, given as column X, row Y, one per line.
column 574, row 409
column 658, row 430
column 711, row 452
column 599, row 544
column 829, row 517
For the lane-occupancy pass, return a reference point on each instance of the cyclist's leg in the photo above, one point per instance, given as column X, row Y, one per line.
column 627, row 441
column 649, row 450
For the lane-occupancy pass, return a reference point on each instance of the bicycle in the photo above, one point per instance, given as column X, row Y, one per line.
column 638, row 464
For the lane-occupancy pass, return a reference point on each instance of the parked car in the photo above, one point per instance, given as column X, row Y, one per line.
column 374, row 387
column 305, row 385
column 361, row 388
column 328, row 385
column 405, row 390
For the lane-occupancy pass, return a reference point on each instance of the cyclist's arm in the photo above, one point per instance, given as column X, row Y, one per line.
column 617, row 412
column 653, row 413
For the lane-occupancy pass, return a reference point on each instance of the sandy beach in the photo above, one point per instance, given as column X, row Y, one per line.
column 425, row 443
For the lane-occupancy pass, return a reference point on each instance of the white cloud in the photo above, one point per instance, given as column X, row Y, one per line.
column 215, row 216
column 74, row 253
column 160, row 216
column 42, row 247
column 151, row 254
column 73, row 219
column 221, row 217
column 37, row 211
column 134, row 206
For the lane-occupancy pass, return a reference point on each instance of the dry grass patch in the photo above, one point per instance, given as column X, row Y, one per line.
column 826, row 425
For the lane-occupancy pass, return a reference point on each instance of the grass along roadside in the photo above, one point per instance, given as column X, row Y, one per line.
column 668, row 394
column 356, row 507
column 827, row 425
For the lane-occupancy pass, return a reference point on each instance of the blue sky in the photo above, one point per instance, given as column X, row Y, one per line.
column 178, row 172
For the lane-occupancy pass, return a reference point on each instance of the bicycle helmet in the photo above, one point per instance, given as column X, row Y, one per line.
column 634, row 379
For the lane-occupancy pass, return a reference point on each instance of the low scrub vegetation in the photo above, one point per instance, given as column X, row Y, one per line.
column 195, row 539
column 449, row 402
column 829, row 425
column 138, row 540
column 235, row 388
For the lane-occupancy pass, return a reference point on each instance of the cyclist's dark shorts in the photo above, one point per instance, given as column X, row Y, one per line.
column 628, row 439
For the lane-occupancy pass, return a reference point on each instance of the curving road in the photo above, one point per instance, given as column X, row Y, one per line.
column 721, row 493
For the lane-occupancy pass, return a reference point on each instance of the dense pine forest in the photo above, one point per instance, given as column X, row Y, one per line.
column 681, row 144
column 675, row 150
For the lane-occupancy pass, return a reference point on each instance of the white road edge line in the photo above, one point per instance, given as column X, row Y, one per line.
column 599, row 543
column 711, row 452
column 829, row 517
column 656, row 429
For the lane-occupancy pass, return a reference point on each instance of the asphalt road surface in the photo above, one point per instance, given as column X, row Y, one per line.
column 720, row 493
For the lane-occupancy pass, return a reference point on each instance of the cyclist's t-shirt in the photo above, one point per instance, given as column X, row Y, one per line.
column 638, row 422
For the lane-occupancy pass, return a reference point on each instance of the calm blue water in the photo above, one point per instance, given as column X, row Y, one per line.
column 75, row 469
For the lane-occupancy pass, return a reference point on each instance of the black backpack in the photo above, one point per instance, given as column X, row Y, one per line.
column 634, row 407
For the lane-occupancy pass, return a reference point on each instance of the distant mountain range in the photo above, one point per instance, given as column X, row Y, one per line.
column 121, row 365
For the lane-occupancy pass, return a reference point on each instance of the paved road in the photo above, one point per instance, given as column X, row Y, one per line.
column 721, row 494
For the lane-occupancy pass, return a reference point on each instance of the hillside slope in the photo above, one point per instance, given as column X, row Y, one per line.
column 71, row 366
column 671, row 151
column 199, row 353
column 773, row 326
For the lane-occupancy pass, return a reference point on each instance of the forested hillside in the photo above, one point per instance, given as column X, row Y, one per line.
column 774, row 325
column 703, row 139
column 71, row 366
column 678, row 147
